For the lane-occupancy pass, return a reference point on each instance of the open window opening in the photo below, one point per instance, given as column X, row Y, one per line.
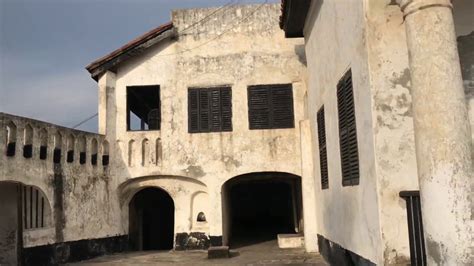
column 143, row 107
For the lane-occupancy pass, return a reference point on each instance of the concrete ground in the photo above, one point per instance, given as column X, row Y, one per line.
column 264, row 253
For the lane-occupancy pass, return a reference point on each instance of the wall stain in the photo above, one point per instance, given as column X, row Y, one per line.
column 194, row 171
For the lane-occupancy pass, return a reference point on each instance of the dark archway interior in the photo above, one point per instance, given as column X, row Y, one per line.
column 259, row 210
column 151, row 214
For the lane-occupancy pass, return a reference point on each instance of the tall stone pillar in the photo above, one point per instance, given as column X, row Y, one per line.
column 442, row 131
column 308, row 188
column 105, row 97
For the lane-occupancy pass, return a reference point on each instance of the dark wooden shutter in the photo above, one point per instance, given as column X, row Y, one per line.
column 204, row 111
column 215, row 112
column 347, row 131
column 259, row 107
column 193, row 110
column 323, row 159
column 226, row 109
column 282, row 107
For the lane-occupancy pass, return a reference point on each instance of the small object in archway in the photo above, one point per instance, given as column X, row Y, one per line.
column 201, row 217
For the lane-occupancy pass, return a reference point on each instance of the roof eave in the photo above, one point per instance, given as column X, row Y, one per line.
column 293, row 17
column 131, row 49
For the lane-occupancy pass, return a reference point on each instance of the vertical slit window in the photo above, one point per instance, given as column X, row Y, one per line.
column 347, row 131
column 105, row 153
column 11, row 139
column 323, row 159
column 70, row 149
column 43, row 144
column 209, row 110
column 28, row 142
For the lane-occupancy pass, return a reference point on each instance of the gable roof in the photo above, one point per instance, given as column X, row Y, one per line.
column 132, row 48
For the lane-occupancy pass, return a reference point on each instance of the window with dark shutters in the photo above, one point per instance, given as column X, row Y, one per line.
column 323, row 159
column 347, row 131
column 209, row 110
column 271, row 106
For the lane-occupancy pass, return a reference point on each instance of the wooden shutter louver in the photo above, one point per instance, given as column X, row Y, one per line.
column 323, row 159
column 204, row 111
column 270, row 106
column 193, row 110
column 282, row 106
column 226, row 109
column 347, row 131
column 209, row 110
column 259, row 109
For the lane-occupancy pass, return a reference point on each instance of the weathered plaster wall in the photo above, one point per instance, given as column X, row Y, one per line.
column 390, row 85
column 336, row 41
column 8, row 223
column 238, row 47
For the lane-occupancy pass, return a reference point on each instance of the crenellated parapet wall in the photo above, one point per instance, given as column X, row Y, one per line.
column 70, row 170
column 27, row 141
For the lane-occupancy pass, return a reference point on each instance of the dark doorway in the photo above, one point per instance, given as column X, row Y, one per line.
column 261, row 206
column 151, row 214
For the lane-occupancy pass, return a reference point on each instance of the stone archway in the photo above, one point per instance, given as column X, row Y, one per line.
column 151, row 220
column 259, row 206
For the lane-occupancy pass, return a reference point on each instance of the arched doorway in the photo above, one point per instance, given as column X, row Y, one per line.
column 259, row 206
column 151, row 220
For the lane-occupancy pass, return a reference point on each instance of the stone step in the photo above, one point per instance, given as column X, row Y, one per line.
column 290, row 240
column 218, row 252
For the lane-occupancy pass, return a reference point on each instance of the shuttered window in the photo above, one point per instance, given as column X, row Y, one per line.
column 347, row 131
column 323, row 158
column 209, row 110
column 270, row 106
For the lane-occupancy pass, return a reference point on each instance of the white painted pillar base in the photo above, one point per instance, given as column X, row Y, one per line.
column 442, row 131
column 308, row 188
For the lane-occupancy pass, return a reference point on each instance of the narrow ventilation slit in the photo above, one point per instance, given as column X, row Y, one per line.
column 105, row 160
column 94, row 159
column 70, row 156
column 82, row 157
column 57, row 155
column 11, row 149
column 28, row 151
column 43, row 152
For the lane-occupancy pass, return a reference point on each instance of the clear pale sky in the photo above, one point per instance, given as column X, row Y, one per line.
column 45, row 45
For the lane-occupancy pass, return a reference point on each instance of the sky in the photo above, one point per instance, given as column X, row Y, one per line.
column 46, row 44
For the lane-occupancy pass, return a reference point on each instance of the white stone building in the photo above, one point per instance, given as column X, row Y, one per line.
column 388, row 118
column 219, row 129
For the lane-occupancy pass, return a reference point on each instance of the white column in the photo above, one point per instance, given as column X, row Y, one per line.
column 442, row 131
column 106, row 85
column 308, row 188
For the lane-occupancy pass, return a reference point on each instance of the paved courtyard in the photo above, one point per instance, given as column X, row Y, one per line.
column 265, row 253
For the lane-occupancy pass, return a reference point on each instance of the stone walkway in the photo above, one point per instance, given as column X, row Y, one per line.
column 266, row 253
